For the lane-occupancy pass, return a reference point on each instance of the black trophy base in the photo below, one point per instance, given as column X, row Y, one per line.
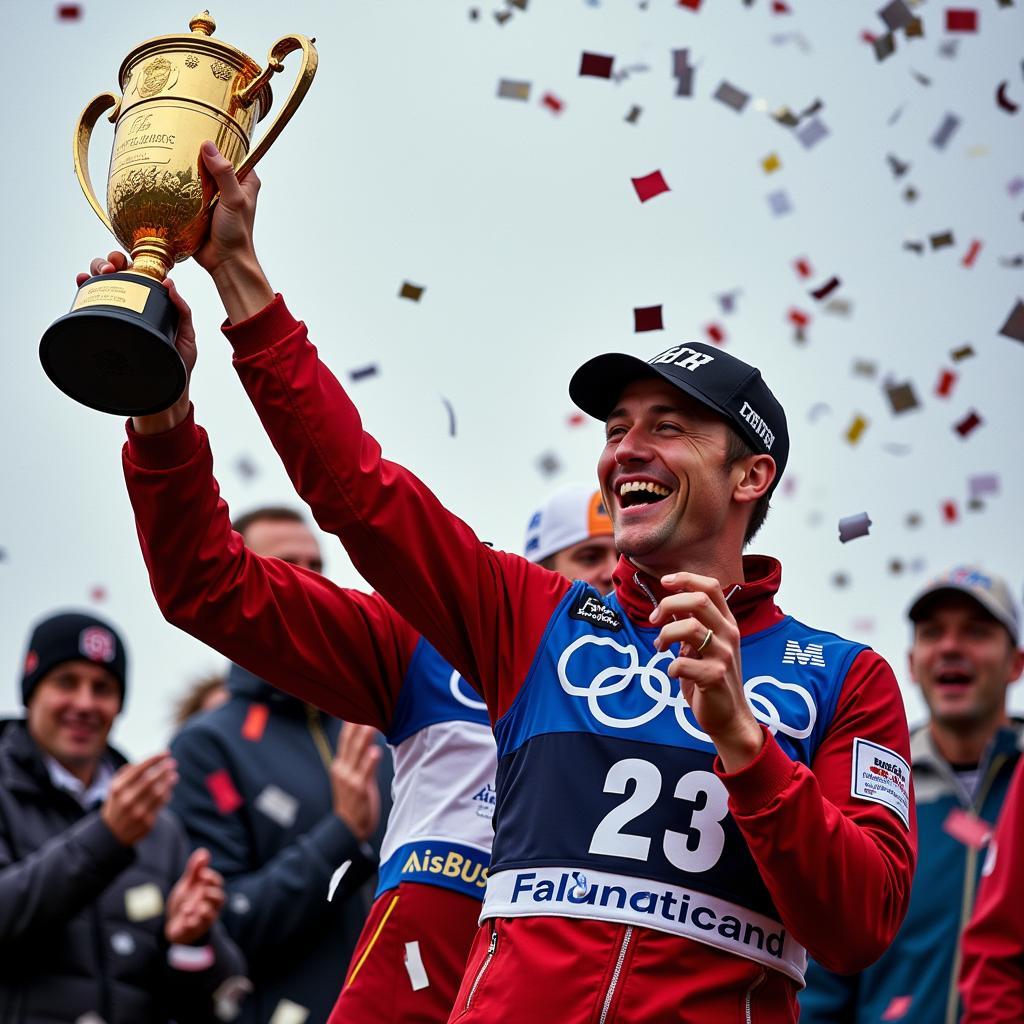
column 115, row 350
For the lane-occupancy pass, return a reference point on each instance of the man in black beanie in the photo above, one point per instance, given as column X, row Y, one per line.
column 103, row 914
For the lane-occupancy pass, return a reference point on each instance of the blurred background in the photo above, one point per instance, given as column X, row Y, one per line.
column 457, row 148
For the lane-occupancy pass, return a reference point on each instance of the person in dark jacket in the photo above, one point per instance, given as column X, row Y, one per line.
column 283, row 797
column 965, row 654
column 104, row 917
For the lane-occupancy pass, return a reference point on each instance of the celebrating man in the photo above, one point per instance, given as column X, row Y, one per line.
column 694, row 789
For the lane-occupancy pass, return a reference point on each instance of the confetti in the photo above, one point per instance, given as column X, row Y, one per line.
column 902, row 398
column 596, row 65
column 255, row 723
column 964, row 352
column 771, row 163
column 715, row 333
column 802, row 267
column 69, row 12
column 840, row 579
column 915, row 30
column 552, row 102
column 840, row 307
column 228, row 996
column 897, row 166
column 866, row 368
column 852, row 527
column 451, row 416
column 959, row 19
column 683, row 72
column 731, row 96
column 1014, row 326
column 798, row 317
column 896, row 15
column 856, row 429
column 949, row 512
column 812, row 132
column 412, row 292
column 897, row 1008
column 287, row 1012
column 692, row 5
column 1003, row 101
column 942, row 240
column 143, row 902
column 363, row 372
column 276, row 804
column 895, row 448
column 649, row 186
column 920, row 79
column 968, row 424
column 1015, row 186
column 885, row 46
column 223, row 791
column 945, row 131
column 575, row 419
column 98, row 594
column 972, row 253
column 414, row 966
column 122, row 943
column 826, row 289
column 913, row 520
column 727, row 301
column 339, row 874
column 1012, row 261
column 982, row 485
column 917, row 247
column 895, row 566
column 191, row 958
column 246, row 468
column 948, row 49
column 779, row 202
column 634, row 114
column 549, row 464
column 511, row 89
column 944, row 387
column 647, row 318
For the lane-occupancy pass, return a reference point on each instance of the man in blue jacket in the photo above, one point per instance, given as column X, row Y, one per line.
column 282, row 805
column 964, row 656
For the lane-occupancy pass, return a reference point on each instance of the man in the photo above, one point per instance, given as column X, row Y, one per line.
column 283, row 796
column 992, row 978
column 964, row 656
column 103, row 915
column 646, row 866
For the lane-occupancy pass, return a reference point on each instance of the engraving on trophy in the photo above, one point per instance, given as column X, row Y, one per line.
column 221, row 70
column 126, row 294
column 192, row 61
column 156, row 76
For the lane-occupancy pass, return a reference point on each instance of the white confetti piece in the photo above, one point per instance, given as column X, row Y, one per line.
column 122, row 943
column 142, row 902
column 288, row 1012
column 277, row 805
column 227, row 999
column 414, row 965
column 336, row 878
column 190, row 958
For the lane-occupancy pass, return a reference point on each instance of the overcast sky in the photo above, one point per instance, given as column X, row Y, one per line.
column 522, row 224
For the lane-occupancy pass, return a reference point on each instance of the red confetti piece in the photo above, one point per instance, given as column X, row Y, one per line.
column 223, row 791
column 97, row 594
column 968, row 424
column 692, row 5
column 650, row 185
column 576, row 419
column 802, row 267
column 961, row 19
column 798, row 317
column 868, row 37
column 944, row 388
column 972, row 253
column 715, row 333
column 552, row 102
column 897, row 1008
column 949, row 512
column 255, row 722
column 780, row 8
column 69, row 12
column 596, row 65
column 647, row 318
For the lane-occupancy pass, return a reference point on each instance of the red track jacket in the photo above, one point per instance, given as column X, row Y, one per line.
column 838, row 868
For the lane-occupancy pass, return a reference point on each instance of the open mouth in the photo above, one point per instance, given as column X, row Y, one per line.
column 953, row 679
column 641, row 492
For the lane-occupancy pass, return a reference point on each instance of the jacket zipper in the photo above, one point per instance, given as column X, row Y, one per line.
column 610, row 994
column 967, row 902
column 483, row 967
column 748, row 1005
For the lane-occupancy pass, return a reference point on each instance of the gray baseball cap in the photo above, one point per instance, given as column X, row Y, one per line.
column 989, row 590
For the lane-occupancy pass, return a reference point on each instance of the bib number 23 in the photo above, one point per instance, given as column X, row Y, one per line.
column 694, row 850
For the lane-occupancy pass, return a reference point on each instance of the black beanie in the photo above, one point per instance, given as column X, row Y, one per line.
column 72, row 636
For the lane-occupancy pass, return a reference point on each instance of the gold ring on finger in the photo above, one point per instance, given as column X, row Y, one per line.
column 707, row 639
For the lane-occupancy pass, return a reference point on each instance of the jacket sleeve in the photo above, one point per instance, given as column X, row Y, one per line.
column 191, row 994
column 270, row 906
column 992, row 968
column 342, row 650
column 829, row 998
column 484, row 610
column 57, row 881
column 838, row 867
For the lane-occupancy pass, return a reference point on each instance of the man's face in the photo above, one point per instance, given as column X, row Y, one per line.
column 290, row 541
column 71, row 711
column 663, row 471
column 592, row 560
column 963, row 660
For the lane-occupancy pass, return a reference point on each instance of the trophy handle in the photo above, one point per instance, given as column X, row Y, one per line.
column 83, row 135
column 280, row 49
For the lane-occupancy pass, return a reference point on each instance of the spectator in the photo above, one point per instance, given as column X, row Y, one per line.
column 992, row 977
column 102, row 911
column 282, row 797
column 963, row 656
column 204, row 694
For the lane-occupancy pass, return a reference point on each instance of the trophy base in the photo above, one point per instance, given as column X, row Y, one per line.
column 115, row 350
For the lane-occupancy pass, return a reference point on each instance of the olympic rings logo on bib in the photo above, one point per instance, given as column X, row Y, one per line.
column 665, row 692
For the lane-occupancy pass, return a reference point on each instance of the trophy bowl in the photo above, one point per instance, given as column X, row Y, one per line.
column 114, row 351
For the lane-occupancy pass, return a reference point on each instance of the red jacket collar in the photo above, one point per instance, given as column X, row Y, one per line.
column 753, row 604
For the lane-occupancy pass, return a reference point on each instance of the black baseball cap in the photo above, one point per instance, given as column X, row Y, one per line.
column 732, row 388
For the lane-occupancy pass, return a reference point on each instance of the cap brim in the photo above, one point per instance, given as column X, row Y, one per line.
column 597, row 385
column 993, row 609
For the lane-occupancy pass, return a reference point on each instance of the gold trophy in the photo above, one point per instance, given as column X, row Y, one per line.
column 115, row 350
